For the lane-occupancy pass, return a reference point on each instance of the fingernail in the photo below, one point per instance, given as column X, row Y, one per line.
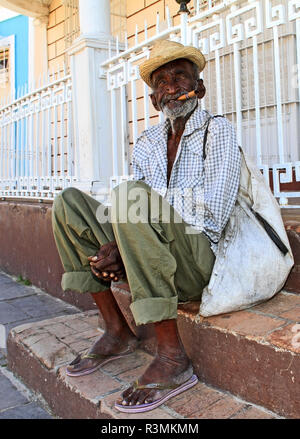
column 104, row 274
column 95, row 258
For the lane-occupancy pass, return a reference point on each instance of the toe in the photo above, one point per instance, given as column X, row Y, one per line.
column 135, row 397
column 127, row 392
column 126, row 396
column 150, row 397
column 143, row 395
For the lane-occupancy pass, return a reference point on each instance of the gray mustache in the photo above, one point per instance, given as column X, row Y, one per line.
column 169, row 98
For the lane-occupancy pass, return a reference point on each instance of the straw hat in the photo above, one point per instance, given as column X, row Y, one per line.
column 165, row 51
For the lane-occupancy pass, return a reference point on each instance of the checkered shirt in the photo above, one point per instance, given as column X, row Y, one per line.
column 203, row 192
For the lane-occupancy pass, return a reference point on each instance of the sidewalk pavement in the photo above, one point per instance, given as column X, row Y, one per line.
column 20, row 304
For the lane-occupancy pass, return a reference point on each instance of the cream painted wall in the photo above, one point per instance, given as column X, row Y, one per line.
column 56, row 36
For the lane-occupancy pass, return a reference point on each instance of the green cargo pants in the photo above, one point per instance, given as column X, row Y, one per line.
column 163, row 263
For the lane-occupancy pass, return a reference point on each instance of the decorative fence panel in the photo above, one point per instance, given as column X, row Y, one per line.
column 252, row 77
column 36, row 142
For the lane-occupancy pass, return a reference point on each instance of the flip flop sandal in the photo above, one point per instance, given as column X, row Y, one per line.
column 103, row 359
column 173, row 390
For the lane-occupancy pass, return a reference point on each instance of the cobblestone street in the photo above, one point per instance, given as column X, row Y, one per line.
column 20, row 304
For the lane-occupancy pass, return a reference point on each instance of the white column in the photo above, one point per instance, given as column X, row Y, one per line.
column 94, row 17
column 91, row 104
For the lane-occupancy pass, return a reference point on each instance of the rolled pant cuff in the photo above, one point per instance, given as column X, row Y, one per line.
column 154, row 309
column 81, row 282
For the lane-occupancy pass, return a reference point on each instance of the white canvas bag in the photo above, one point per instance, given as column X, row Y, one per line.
column 249, row 267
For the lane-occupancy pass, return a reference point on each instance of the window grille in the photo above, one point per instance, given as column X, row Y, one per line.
column 4, row 67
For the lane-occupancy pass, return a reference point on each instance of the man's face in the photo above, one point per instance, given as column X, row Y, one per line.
column 171, row 81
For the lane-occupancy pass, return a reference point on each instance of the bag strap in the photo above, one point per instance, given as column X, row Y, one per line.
column 206, row 134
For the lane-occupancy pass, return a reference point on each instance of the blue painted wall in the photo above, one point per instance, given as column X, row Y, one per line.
column 18, row 26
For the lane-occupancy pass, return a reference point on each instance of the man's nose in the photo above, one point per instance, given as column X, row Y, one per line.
column 172, row 86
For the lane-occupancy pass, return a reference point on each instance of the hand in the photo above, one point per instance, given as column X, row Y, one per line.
column 107, row 264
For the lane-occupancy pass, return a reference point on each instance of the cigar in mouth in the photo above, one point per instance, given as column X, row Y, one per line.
column 186, row 96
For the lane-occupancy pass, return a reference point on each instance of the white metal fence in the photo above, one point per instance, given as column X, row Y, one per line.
column 36, row 141
column 252, row 77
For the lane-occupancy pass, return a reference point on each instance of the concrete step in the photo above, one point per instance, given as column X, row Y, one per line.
column 254, row 354
column 39, row 352
column 248, row 364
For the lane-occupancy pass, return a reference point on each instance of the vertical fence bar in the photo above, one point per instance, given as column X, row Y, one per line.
column 37, row 141
column 13, row 146
column 69, row 141
column 23, row 144
column 31, row 153
column 6, row 155
column 134, row 111
column 43, row 137
column 218, row 82
column 62, row 139
column 298, row 53
column 238, row 97
column 257, row 103
column 1, row 148
column 183, row 27
column 114, row 131
column 18, row 152
column 27, row 143
column 146, row 106
column 203, row 99
column 124, row 130
column 49, row 145
column 278, row 94
column 55, row 142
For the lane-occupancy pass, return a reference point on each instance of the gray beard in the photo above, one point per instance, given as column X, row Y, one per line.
column 182, row 111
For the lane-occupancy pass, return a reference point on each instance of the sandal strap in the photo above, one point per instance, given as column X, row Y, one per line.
column 102, row 356
column 156, row 386
column 94, row 356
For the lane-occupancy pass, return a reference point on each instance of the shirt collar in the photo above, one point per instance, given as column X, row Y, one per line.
column 196, row 121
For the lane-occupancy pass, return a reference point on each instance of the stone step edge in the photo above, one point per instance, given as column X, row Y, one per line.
column 40, row 378
column 258, row 349
column 248, row 361
column 266, row 341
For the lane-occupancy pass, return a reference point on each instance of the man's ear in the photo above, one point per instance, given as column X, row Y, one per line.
column 154, row 102
column 201, row 90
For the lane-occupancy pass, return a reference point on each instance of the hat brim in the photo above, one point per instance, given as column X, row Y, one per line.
column 187, row 52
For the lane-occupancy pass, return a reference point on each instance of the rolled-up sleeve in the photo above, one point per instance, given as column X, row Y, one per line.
column 222, row 176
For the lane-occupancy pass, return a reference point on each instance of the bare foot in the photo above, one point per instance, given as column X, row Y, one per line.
column 107, row 345
column 162, row 370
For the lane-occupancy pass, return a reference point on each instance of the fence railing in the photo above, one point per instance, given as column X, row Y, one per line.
column 252, row 77
column 36, row 142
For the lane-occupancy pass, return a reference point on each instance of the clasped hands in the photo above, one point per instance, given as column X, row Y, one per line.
column 107, row 264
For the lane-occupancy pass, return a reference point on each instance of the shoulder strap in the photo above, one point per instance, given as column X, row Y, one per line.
column 206, row 133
